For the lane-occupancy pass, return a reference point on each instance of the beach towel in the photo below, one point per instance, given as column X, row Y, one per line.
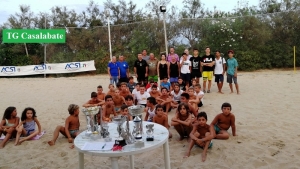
column 34, row 138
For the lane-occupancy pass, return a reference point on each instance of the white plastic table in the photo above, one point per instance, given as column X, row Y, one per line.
column 161, row 136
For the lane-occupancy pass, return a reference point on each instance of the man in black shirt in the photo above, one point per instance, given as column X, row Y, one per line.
column 196, row 72
column 141, row 69
column 208, row 61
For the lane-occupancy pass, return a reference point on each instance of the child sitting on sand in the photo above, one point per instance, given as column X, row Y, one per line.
column 108, row 109
column 161, row 118
column 71, row 128
column 202, row 134
column 8, row 124
column 193, row 98
column 154, row 92
column 27, row 126
column 223, row 121
column 94, row 101
column 176, row 94
column 111, row 90
column 150, row 109
column 100, row 94
column 185, row 97
column 124, row 90
column 118, row 101
column 165, row 100
column 182, row 121
column 124, row 112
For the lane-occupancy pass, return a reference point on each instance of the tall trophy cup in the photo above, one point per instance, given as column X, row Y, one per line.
column 137, row 132
column 92, row 121
column 119, row 120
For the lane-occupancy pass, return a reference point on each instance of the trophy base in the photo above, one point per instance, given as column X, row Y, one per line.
column 150, row 139
column 120, row 142
column 139, row 144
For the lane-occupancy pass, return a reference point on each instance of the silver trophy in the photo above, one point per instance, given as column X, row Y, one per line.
column 150, row 132
column 126, row 134
column 119, row 120
column 92, row 120
column 137, row 112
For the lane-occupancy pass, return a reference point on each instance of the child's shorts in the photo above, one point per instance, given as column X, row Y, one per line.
column 117, row 109
column 209, row 146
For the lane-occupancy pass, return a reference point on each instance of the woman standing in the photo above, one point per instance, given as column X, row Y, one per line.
column 162, row 67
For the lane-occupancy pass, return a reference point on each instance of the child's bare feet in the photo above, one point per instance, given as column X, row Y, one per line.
column 203, row 157
column 1, row 146
column 187, row 154
column 238, row 93
column 72, row 146
column 231, row 92
column 220, row 92
column 51, row 143
column 170, row 135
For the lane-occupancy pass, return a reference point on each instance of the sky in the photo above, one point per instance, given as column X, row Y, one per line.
column 9, row 7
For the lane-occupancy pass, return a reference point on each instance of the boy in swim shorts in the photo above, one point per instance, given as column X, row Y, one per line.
column 222, row 122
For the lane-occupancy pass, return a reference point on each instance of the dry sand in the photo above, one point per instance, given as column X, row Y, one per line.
column 267, row 118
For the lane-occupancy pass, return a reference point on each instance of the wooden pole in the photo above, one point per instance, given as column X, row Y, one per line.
column 294, row 59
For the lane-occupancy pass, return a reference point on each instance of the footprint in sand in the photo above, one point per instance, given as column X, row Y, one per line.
column 62, row 154
column 275, row 153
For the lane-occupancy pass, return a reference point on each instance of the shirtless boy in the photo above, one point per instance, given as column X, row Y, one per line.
column 100, row 94
column 165, row 99
column 202, row 134
column 161, row 118
column 94, row 101
column 111, row 90
column 223, row 121
column 124, row 90
column 185, row 99
column 108, row 109
column 193, row 98
column 154, row 92
column 118, row 101
column 71, row 128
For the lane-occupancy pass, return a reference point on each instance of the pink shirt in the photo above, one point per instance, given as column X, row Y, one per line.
column 169, row 59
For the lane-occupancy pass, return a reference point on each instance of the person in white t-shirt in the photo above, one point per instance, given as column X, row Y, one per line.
column 199, row 94
column 185, row 69
column 176, row 95
column 219, row 71
column 142, row 96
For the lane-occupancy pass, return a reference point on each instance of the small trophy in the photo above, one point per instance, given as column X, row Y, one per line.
column 150, row 132
column 119, row 120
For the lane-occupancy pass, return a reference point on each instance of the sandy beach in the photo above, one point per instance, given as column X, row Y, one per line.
column 267, row 116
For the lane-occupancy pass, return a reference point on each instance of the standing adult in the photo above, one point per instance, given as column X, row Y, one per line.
column 152, row 72
column 145, row 56
column 208, row 61
column 124, row 69
column 141, row 69
column 172, row 54
column 113, row 71
column 219, row 70
column 232, row 66
column 188, row 55
column 196, row 71
column 162, row 67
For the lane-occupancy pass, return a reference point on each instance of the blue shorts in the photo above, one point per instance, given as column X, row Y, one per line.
column 217, row 129
column 219, row 78
column 173, row 79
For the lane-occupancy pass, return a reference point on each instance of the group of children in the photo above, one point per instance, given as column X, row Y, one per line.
column 187, row 121
column 11, row 126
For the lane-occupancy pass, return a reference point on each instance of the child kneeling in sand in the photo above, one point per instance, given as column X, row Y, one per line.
column 202, row 134
column 223, row 121
column 27, row 126
column 108, row 109
column 71, row 128
column 161, row 118
column 182, row 121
